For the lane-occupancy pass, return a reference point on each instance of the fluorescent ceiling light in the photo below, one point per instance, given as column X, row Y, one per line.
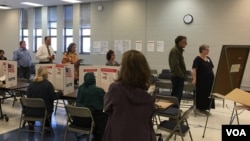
column 31, row 4
column 72, row 1
column 4, row 7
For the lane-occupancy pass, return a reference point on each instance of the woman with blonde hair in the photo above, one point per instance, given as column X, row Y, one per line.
column 42, row 88
column 127, row 103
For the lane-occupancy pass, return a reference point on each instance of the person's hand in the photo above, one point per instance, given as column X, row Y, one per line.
column 194, row 82
column 51, row 57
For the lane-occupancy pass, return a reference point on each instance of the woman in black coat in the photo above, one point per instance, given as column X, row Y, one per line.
column 42, row 88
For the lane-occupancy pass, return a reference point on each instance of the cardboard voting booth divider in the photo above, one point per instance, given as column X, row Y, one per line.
column 108, row 75
column 8, row 73
column 64, row 78
column 236, row 95
column 105, row 75
column 85, row 69
column 50, row 69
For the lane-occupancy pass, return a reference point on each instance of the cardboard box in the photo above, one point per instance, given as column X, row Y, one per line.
column 84, row 69
column 236, row 95
column 64, row 78
column 8, row 73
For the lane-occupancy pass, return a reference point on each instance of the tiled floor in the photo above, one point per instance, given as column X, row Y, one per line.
column 219, row 116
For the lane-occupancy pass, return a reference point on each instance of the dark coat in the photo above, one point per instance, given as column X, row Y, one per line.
column 130, row 114
column 45, row 90
column 89, row 95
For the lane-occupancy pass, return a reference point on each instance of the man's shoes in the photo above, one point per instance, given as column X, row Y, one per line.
column 31, row 126
column 202, row 112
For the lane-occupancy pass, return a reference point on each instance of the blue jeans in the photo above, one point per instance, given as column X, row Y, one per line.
column 177, row 87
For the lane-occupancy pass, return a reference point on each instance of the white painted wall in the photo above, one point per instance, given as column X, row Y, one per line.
column 9, row 35
column 216, row 22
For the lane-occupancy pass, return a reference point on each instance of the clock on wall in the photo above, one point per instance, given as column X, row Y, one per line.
column 188, row 19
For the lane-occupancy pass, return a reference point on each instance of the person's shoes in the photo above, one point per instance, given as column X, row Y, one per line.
column 207, row 113
column 31, row 126
column 200, row 112
column 48, row 129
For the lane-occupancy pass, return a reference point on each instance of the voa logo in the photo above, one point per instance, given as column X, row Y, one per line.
column 236, row 132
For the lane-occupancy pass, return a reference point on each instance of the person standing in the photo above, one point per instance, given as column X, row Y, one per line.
column 203, row 78
column 70, row 57
column 110, row 56
column 2, row 55
column 23, row 58
column 178, row 67
column 45, row 53
column 128, row 104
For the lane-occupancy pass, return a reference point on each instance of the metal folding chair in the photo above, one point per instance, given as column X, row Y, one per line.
column 34, row 103
column 178, row 126
column 78, row 112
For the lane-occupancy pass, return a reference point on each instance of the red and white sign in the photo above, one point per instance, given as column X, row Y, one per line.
column 8, row 73
column 85, row 69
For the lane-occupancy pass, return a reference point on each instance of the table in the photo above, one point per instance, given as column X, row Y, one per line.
column 11, row 92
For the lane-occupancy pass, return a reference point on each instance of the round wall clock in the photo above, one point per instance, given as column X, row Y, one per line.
column 188, row 19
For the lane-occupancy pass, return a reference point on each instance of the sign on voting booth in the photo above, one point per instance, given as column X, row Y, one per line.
column 85, row 69
column 108, row 75
column 50, row 69
column 64, row 78
column 8, row 73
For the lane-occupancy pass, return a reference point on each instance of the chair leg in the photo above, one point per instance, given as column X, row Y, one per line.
column 190, row 135
column 65, row 134
column 189, row 131
column 14, row 101
column 56, row 107
column 20, row 126
column 43, row 128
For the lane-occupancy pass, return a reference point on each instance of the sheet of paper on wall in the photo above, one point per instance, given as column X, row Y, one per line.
column 100, row 47
column 122, row 46
column 235, row 68
column 138, row 45
column 151, row 46
column 160, row 46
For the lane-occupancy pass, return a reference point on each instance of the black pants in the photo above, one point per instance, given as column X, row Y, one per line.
column 177, row 87
column 47, row 121
column 100, row 119
column 23, row 72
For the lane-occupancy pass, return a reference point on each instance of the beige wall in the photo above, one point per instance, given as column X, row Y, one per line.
column 216, row 22
column 9, row 27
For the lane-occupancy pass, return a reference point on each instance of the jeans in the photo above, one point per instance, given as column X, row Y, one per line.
column 177, row 87
column 23, row 72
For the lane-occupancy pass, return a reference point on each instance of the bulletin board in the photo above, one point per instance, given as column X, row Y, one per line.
column 231, row 67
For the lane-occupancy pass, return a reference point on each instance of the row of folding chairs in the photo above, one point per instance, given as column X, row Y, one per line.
column 72, row 112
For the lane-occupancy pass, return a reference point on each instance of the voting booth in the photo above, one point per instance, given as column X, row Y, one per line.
column 61, row 76
column 85, row 69
column 105, row 75
column 108, row 75
column 50, row 69
column 64, row 78
column 8, row 73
